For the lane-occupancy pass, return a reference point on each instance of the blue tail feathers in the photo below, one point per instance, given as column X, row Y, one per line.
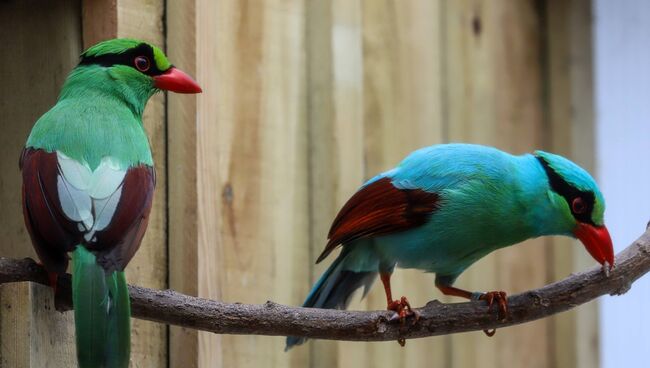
column 333, row 290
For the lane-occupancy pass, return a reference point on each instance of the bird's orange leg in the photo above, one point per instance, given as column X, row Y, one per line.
column 491, row 297
column 402, row 306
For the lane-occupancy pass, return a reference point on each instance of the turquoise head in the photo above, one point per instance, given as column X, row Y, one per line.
column 579, row 204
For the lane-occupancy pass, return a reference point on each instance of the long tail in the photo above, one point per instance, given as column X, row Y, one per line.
column 102, row 313
column 334, row 289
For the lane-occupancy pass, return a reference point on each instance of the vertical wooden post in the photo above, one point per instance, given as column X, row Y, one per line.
column 33, row 67
column 323, row 166
column 48, row 336
column 570, row 132
column 98, row 21
column 335, row 115
column 250, row 167
column 134, row 19
column 402, row 104
column 144, row 20
column 182, row 184
column 494, row 93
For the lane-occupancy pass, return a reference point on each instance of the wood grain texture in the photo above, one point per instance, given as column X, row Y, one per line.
column 14, row 325
column 494, row 95
column 570, row 132
column 31, row 86
column 182, row 178
column 144, row 20
column 98, row 21
column 324, row 170
column 335, row 115
column 402, row 111
column 260, row 131
column 303, row 101
column 210, row 191
column 250, row 164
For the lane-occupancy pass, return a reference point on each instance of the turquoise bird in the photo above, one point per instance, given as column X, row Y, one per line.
column 446, row 206
column 88, row 182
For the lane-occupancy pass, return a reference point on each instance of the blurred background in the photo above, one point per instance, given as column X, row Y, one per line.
column 305, row 99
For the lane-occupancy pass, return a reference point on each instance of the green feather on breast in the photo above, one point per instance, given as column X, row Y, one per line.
column 93, row 121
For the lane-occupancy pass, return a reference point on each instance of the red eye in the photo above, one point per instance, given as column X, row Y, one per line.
column 578, row 206
column 142, row 63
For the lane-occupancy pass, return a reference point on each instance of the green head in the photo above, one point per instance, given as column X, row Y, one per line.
column 131, row 69
column 578, row 203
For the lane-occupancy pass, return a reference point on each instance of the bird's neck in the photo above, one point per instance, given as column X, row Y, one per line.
column 97, row 82
column 535, row 194
column 94, row 118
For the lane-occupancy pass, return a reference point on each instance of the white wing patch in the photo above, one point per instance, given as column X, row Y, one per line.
column 89, row 197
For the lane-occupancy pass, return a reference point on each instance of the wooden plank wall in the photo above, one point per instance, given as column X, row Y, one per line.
column 39, row 62
column 141, row 20
column 379, row 79
column 495, row 97
column 303, row 101
column 32, row 334
column 571, row 133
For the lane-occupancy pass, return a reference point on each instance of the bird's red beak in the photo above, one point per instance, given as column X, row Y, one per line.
column 597, row 241
column 176, row 80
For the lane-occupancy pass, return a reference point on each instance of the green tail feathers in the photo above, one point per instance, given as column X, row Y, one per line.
column 102, row 313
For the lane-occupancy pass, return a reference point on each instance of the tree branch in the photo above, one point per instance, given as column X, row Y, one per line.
column 170, row 307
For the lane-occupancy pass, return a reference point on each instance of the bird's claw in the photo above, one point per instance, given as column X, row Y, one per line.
column 500, row 298
column 403, row 310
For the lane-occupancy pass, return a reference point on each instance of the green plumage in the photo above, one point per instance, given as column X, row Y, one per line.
column 88, row 182
column 94, row 118
column 102, row 313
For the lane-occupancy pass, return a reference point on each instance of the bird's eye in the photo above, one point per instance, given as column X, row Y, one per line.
column 142, row 63
column 578, row 206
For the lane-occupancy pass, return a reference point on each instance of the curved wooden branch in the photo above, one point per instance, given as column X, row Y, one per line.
column 170, row 307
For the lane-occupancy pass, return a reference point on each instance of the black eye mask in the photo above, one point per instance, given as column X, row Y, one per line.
column 570, row 193
column 125, row 58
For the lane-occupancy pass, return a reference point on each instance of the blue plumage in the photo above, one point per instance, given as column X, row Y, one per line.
column 446, row 206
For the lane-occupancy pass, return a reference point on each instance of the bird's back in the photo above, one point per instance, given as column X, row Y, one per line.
column 90, row 157
column 482, row 205
column 91, row 127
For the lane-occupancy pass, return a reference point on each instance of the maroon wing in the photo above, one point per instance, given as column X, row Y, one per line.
column 379, row 208
column 122, row 238
column 53, row 234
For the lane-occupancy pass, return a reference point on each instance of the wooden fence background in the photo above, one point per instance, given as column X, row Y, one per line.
column 303, row 100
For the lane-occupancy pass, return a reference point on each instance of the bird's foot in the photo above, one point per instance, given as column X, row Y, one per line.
column 403, row 310
column 501, row 299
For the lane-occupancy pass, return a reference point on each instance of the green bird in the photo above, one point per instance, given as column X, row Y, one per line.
column 446, row 206
column 88, row 183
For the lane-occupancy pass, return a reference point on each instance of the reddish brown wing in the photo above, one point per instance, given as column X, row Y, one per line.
column 122, row 238
column 377, row 209
column 54, row 234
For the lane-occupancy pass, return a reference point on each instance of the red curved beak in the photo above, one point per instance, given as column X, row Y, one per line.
column 597, row 241
column 176, row 80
